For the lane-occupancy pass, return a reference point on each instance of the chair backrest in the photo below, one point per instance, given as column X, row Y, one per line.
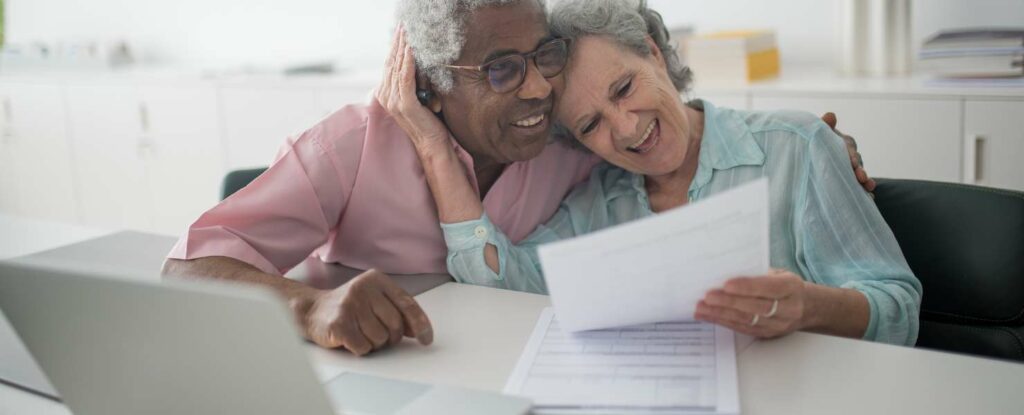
column 966, row 245
column 238, row 179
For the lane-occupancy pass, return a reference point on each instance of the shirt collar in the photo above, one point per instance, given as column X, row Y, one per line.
column 727, row 143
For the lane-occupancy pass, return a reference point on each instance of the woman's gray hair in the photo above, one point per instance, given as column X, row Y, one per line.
column 436, row 30
column 627, row 22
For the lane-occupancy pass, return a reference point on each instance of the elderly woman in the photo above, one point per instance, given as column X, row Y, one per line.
column 838, row 268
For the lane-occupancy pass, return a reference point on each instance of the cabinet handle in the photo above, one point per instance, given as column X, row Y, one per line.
column 974, row 159
column 8, row 119
column 144, row 117
column 145, row 148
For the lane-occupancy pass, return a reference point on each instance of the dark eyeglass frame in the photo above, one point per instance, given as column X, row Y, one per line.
column 520, row 59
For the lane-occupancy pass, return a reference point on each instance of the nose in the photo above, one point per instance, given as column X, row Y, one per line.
column 623, row 124
column 535, row 86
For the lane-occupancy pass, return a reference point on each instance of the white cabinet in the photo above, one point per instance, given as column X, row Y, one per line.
column 106, row 133
column 35, row 157
column 898, row 138
column 184, row 155
column 258, row 120
column 994, row 143
column 148, row 157
column 9, row 154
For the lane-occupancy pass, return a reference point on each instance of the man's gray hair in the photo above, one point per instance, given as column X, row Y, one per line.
column 627, row 22
column 436, row 30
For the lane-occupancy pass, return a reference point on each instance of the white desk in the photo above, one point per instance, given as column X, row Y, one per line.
column 479, row 333
column 24, row 236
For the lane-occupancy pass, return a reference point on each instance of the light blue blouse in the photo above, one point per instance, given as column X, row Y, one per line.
column 824, row 227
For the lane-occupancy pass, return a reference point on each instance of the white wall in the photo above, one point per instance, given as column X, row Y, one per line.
column 235, row 32
column 214, row 32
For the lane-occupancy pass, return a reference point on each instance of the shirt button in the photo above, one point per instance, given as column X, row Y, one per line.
column 480, row 232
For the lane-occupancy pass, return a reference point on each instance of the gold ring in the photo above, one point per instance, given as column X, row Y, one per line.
column 754, row 321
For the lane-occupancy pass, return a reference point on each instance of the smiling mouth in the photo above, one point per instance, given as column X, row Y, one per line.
column 648, row 140
column 530, row 122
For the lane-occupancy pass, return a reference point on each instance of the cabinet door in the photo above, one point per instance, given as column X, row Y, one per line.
column 9, row 200
column 994, row 143
column 107, row 138
column 184, row 153
column 258, row 120
column 898, row 138
column 39, row 155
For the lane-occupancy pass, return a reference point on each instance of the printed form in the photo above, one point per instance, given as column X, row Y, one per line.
column 660, row 368
column 624, row 339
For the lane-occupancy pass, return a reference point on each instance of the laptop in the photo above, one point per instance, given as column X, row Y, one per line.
column 116, row 346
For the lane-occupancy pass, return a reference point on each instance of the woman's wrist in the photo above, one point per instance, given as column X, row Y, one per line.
column 434, row 150
column 812, row 313
column 436, row 156
column 836, row 311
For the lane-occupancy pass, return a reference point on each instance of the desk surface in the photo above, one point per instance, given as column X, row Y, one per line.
column 480, row 332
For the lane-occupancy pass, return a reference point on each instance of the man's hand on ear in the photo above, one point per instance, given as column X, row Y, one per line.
column 856, row 161
column 397, row 94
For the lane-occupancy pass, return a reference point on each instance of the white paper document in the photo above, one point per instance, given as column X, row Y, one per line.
column 659, row 368
column 656, row 269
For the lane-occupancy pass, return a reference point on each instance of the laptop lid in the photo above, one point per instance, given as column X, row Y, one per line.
column 129, row 347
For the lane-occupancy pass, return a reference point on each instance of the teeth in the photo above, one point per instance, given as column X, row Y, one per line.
column 643, row 138
column 529, row 122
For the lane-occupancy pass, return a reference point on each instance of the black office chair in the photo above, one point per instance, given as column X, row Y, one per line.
column 238, row 179
column 966, row 245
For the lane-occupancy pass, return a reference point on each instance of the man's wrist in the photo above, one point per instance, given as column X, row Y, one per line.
column 302, row 301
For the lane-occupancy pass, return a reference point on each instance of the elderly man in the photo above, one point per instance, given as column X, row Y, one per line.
column 351, row 189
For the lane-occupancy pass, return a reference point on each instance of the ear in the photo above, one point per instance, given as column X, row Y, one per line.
column 433, row 101
column 656, row 52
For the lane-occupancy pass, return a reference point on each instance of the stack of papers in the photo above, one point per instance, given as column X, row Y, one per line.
column 624, row 340
column 733, row 57
column 975, row 53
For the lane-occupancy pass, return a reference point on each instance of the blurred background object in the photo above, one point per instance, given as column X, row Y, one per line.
column 875, row 37
column 734, row 56
column 73, row 57
column 975, row 53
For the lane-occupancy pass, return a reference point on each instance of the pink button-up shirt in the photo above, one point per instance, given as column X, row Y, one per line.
column 351, row 190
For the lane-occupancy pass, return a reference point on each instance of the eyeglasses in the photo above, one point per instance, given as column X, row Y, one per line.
column 508, row 72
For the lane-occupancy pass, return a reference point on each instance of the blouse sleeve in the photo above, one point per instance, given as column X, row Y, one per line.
column 843, row 241
column 582, row 211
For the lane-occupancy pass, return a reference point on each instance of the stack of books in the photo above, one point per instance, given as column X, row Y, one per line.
column 733, row 57
column 975, row 53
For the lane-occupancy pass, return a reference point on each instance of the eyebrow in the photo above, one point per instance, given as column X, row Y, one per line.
column 505, row 52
